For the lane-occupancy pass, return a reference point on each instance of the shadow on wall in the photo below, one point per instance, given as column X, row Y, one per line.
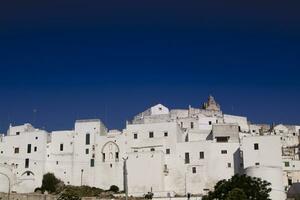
column 237, row 161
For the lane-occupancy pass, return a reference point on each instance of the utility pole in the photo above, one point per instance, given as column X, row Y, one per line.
column 8, row 194
column 125, row 173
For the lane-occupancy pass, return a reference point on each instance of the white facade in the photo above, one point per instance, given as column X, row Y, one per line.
column 168, row 152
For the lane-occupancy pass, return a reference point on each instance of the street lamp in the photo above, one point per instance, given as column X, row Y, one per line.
column 81, row 177
column 8, row 194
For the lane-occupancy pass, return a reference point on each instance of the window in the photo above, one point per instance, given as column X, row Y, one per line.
column 87, row 151
column 103, row 157
column 209, row 122
column 36, row 138
column 286, row 164
column 186, row 138
column 256, row 146
column 28, row 173
column 181, row 124
column 151, row 134
column 229, row 165
column 222, row 139
column 28, row 148
column 187, row 158
column 117, row 156
column 152, row 149
column 92, row 162
column 165, row 167
column 135, row 136
column 56, row 162
column 167, row 151
column 192, row 125
column 290, row 181
column 87, row 139
column 257, row 164
column 17, row 150
column 35, row 149
column 26, row 162
column 166, row 134
column 18, row 133
column 194, row 170
column 223, row 151
column 201, row 154
column 61, row 147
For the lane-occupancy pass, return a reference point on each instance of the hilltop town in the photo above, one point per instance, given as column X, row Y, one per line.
column 167, row 151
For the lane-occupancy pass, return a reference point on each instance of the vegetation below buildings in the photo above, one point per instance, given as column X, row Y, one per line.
column 240, row 187
column 53, row 185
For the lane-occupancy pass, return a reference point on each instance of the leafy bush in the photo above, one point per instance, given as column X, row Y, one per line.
column 50, row 183
column 114, row 188
column 82, row 191
column 66, row 196
column 236, row 194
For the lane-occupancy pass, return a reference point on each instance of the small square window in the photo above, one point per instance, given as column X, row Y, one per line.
column 135, row 136
column 36, row 138
column 56, row 162
column 224, row 152
column 229, row 165
column 194, row 170
column 151, row 134
column 256, row 147
column 152, row 149
column 18, row 133
column 257, row 164
column 166, row 134
column 286, row 164
column 17, row 150
column 209, row 122
column 167, row 151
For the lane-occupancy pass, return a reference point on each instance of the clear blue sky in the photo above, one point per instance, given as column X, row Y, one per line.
column 112, row 59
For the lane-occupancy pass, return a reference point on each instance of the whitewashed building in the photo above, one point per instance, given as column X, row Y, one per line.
column 168, row 152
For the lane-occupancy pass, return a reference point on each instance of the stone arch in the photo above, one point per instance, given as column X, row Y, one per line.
column 30, row 172
column 108, row 143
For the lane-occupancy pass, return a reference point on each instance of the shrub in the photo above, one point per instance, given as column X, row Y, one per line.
column 240, row 186
column 114, row 188
column 50, row 183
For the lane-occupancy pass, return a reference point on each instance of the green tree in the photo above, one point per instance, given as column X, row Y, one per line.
column 50, row 183
column 236, row 194
column 252, row 188
column 114, row 188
